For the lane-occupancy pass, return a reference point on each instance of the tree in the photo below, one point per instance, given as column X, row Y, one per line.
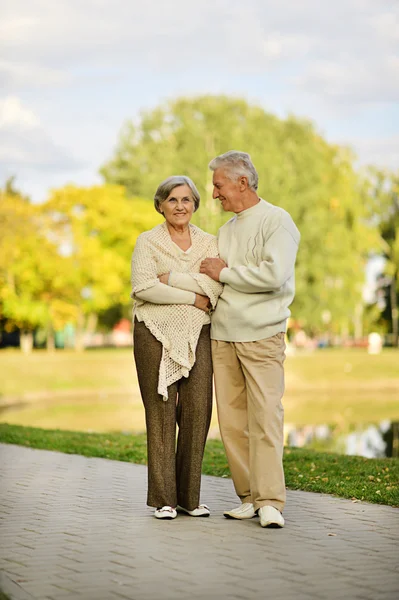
column 298, row 170
column 382, row 188
column 29, row 286
column 95, row 230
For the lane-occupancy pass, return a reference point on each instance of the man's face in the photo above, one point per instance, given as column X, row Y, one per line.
column 227, row 191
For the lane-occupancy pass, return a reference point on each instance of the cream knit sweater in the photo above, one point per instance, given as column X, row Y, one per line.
column 168, row 312
column 259, row 246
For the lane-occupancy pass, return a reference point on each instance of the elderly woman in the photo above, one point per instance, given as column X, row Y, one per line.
column 172, row 347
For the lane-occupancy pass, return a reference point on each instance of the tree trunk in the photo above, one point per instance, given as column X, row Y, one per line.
column 91, row 324
column 82, row 329
column 210, row 207
column 79, row 334
column 395, row 440
column 50, row 340
column 26, row 341
column 394, row 311
column 358, row 321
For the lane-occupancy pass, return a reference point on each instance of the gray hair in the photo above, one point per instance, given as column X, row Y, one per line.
column 165, row 188
column 237, row 164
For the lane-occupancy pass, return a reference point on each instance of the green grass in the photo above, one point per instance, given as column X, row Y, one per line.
column 345, row 365
column 111, row 368
column 65, row 370
column 371, row 480
column 69, row 390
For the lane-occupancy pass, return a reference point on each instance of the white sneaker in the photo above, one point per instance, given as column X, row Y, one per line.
column 270, row 517
column 245, row 511
column 201, row 511
column 166, row 512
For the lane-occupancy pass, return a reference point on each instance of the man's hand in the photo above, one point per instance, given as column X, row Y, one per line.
column 164, row 278
column 212, row 267
column 202, row 302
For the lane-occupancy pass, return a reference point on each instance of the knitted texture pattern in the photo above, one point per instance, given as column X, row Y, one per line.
column 176, row 326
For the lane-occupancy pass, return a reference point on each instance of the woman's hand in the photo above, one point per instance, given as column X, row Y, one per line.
column 164, row 278
column 202, row 302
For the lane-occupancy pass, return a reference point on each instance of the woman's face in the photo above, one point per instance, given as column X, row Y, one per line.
column 178, row 207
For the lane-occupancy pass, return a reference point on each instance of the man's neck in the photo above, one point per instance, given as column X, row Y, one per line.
column 248, row 202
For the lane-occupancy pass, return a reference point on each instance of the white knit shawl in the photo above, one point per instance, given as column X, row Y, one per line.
column 176, row 326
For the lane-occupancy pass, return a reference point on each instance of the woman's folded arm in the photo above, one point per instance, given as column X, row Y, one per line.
column 164, row 294
column 184, row 281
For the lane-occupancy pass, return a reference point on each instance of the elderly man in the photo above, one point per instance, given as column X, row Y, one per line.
column 258, row 248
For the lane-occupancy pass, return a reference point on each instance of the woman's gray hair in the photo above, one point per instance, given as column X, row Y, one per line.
column 237, row 164
column 165, row 188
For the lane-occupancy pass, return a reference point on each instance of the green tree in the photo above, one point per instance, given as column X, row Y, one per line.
column 382, row 188
column 298, row 170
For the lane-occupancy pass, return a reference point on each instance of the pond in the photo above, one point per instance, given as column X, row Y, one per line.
column 102, row 412
column 371, row 440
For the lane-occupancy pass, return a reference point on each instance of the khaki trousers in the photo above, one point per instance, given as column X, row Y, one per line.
column 174, row 473
column 249, row 383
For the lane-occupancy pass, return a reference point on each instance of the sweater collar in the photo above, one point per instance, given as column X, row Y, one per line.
column 253, row 210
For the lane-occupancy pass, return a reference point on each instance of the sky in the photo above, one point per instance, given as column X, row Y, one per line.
column 72, row 72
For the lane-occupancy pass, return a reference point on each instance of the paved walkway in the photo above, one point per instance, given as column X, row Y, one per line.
column 75, row 528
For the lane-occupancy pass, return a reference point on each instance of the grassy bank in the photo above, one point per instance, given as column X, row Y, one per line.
column 371, row 480
column 65, row 370
column 98, row 389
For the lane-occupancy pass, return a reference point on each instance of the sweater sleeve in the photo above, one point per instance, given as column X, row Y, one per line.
column 144, row 269
column 277, row 266
column 164, row 294
column 145, row 283
column 184, row 281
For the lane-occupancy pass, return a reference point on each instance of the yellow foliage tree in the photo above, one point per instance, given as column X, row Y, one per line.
column 94, row 230
column 31, row 292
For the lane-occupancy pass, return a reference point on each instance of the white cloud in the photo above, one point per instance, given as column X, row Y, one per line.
column 386, row 26
column 340, row 48
column 16, row 28
column 277, row 45
column 354, row 80
column 100, row 62
column 14, row 114
column 25, row 142
column 53, row 40
column 379, row 151
column 33, row 149
column 18, row 75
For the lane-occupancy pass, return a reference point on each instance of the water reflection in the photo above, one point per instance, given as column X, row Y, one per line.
column 110, row 411
column 368, row 440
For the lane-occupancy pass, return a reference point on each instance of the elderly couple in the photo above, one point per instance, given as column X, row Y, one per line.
column 205, row 305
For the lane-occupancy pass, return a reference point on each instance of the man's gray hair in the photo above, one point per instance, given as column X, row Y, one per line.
column 165, row 188
column 237, row 164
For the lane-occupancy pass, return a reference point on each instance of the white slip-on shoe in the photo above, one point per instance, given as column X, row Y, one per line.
column 201, row 511
column 245, row 511
column 166, row 512
column 270, row 517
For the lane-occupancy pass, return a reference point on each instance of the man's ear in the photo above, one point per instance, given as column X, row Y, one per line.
column 243, row 182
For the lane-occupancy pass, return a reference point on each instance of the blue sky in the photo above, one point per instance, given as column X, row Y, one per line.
column 71, row 72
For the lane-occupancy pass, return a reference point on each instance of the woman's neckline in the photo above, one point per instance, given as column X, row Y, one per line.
column 181, row 249
column 177, row 245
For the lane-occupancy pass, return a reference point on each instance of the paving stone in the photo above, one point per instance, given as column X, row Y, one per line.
column 76, row 528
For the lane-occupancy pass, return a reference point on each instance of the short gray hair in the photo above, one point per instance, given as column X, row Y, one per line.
column 165, row 188
column 237, row 164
